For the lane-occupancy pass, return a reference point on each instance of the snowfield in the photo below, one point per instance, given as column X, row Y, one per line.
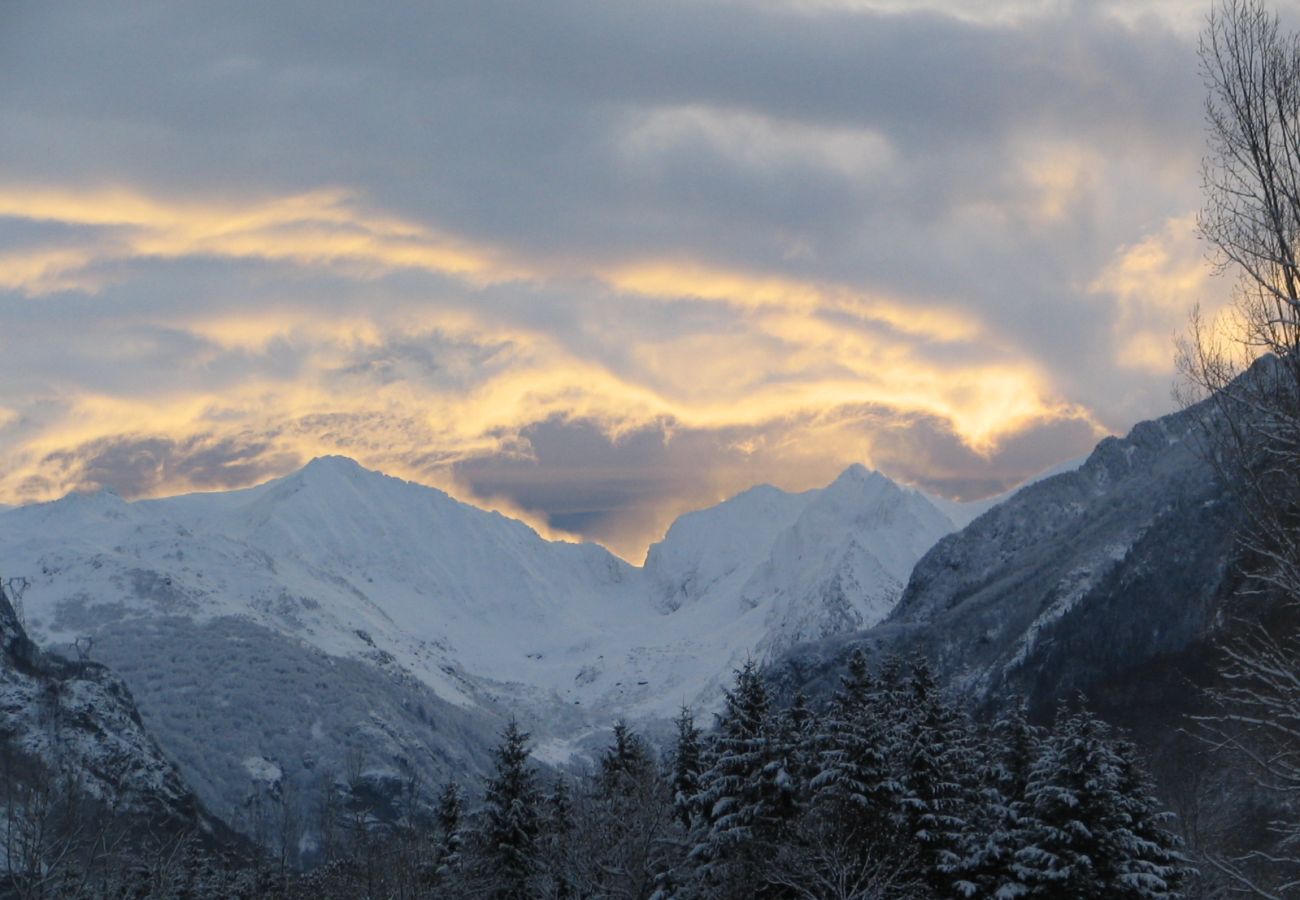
column 474, row 604
column 451, row 606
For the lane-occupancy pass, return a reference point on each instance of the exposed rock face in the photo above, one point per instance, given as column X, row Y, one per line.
column 79, row 720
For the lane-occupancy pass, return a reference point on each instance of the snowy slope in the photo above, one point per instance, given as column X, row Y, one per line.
column 80, row 721
column 1073, row 580
column 432, row 594
column 471, row 602
column 716, row 550
column 843, row 563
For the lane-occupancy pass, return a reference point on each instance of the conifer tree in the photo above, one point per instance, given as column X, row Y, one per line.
column 939, row 766
column 559, row 839
column 1016, row 745
column 1071, row 808
column 893, row 702
column 989, row 840
column 686, row 766
column 1149, row 864
column 795, row 733
column 447, row 856
column 559, row 808
column 625, row 763
column 745, row 794
column 854, row 784
column 511, row 819
column 892, row 687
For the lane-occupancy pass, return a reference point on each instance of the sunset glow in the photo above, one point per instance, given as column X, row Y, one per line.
column 489, row 276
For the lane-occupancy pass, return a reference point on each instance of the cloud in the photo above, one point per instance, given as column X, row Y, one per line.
column 594, row 263
column 136, row 465
column 321, row 229
column 1151, row 281
column 575, row 478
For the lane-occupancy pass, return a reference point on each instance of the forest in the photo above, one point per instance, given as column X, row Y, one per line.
column 888, row 791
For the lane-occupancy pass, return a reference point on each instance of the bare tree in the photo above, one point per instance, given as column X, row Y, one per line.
column 829, row 863
column 1247, row 366
column 1248, row 363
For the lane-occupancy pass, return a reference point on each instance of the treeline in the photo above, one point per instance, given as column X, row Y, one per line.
column 887, row 792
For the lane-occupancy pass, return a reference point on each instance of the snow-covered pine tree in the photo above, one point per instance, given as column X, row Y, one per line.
column 686, row 766
column 559, row 833
column 1017, row 743
column 941, row 763
column 625, row 763
column 892, row 685
column 988, row 842
column 1150, row 864
column 745, row 795
column 636, row 815
column 449, row 814
column 892, row 701
column 795, row 733
column 854, row 786
column 511, row 820
column 1072, row 806
column 559, row 808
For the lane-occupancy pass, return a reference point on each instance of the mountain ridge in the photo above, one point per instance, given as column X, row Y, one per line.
column 76, row 723
column 459, row 611
column 1072, row 579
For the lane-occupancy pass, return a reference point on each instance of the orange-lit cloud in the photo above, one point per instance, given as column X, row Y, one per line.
column 805, row 376
column 670, row 280
column 319, row 229
column 1155, row 281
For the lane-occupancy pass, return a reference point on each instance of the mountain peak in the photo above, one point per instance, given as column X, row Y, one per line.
column 858, row 476
column 338, row 464
column 333, row 473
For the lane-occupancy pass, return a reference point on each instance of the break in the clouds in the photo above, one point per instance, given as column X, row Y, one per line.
column 593, row 263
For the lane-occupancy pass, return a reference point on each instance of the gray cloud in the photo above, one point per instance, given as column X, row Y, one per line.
column 623, row 491
column 992, row 168
column 136, row 466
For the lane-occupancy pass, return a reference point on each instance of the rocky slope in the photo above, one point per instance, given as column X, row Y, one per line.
column 1073, row 580
column 76, row 723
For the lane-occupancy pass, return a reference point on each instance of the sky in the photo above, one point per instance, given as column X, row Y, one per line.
column 592, row 263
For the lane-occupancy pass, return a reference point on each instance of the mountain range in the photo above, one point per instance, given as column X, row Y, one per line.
column 280, row 632
column 340, row 625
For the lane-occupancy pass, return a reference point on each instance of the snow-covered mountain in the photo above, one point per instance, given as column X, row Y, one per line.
column 1074, row 580
column 72, row 723
column 407, row 622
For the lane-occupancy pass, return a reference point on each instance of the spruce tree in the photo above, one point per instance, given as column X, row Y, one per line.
column 511, row 819
column 449, row 814
column 686, row 766
column 559, row 839
column 793, row 759
column 744, row 795
column 559, row 808
column 1149, row 864
column 625, row 764
column 1072, row 806
column 989, row 839
column 854, row 785
column 940, row 766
